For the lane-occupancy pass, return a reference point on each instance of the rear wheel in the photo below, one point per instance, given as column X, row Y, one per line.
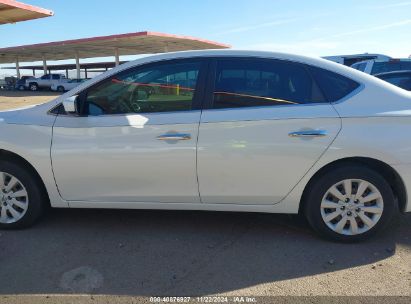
column 349, row 203
column 21, row 88
column 22, row 199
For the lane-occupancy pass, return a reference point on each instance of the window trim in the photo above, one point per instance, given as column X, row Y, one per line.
column 198, row 97
column 211, row 81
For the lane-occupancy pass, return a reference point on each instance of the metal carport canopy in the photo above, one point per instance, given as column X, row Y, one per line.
column 103, row 46
column 13, row 11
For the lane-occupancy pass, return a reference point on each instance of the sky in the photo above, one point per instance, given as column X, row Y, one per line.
column 314, row 28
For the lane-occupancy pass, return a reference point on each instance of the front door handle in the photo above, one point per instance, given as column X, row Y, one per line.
column 308, row 133
column 174, row 136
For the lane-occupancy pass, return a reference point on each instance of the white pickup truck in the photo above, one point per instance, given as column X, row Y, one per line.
column 44, row 82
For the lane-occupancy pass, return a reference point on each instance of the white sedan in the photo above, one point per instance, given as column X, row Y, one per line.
column 216, row 130
column 66, row 84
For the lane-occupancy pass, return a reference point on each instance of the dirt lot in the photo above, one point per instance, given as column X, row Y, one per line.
column 160, row 253
column 17, row 99
column 105, row 253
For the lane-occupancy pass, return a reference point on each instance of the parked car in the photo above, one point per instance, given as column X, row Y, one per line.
column 21, row 84
column 44, row 82
column 382, row 66
column 349, row 60
column 66, row 84
column 9, row 82
column 254, row 132
column 3, row 84
column 401, row 79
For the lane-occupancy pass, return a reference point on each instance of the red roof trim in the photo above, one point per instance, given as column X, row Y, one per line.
column 110, row 37
column 27, row 7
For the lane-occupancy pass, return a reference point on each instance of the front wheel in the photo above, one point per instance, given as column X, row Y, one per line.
column 60, row 88
column 22, row 198
column 33, row 87
column 349, row 203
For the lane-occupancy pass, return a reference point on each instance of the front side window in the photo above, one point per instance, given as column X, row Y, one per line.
column 56, row 77
column 163, row 87
column 45, row 77
column 255, row 82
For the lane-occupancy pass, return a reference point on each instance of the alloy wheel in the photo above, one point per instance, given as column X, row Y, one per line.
column 352, row 207
column 13, row 199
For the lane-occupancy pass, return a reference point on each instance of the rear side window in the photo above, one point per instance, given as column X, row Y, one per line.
column 334, row 86
column 259, row 82
column 391, row 66
column 402, row 81
column 405, row 65
column 382, row 67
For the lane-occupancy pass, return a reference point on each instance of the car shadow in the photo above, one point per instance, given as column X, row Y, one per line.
column 143, row 253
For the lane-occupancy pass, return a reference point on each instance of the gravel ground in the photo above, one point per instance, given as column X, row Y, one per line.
column 17, row 99
column 111, row 255
column 170, row 253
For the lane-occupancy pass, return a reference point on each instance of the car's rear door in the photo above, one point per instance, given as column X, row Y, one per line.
column 136, row 141
column 266, row 124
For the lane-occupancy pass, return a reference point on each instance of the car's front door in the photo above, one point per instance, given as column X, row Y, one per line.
column 267, row 123
column 136, row 139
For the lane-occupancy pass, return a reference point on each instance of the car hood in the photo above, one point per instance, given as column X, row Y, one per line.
column 29, row 115
column 6, row 115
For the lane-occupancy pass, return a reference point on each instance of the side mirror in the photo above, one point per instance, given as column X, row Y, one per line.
column 71, row 105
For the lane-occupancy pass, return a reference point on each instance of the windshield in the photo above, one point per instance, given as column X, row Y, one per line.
column 360, row 66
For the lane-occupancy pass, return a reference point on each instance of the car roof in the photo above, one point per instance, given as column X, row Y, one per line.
column 314, row 61
column 334, row 67
column 365, row 55
column 393, row 73
column 365, row 105
column 388, row 60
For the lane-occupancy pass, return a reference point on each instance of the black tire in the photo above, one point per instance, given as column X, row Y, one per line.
column 33, row 86
column 60, row 89
column 21, row 88
column 323, row 183
column 37, row 198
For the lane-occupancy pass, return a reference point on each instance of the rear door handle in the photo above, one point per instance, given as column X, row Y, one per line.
column 308, row 133
column 175, row 136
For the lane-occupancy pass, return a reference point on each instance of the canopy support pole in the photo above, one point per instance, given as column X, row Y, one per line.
column 44, row 65
column 117, row 56
column 17, row 68
column 78, row 65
